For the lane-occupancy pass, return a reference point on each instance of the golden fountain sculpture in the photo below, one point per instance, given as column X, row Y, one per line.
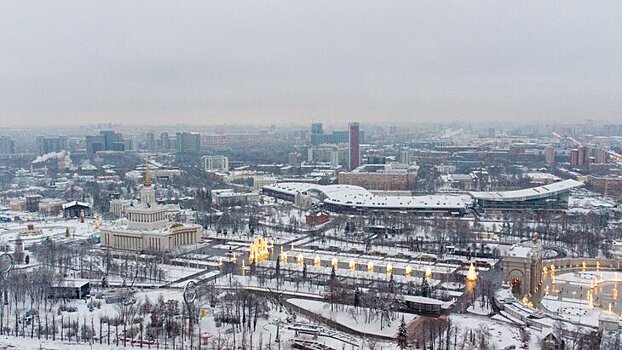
column 471, row 275
column 258, row 250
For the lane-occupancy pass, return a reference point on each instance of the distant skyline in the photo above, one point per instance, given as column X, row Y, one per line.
column 297, row 62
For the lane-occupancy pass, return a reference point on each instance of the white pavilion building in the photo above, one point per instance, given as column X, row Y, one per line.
column 147, row 226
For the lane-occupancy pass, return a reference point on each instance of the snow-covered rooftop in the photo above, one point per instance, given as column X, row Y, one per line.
column 523, row 250
column 355, row 196
column 73, row 203
column 529, row 193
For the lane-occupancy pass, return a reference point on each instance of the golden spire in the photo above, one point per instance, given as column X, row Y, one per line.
column 147, row 175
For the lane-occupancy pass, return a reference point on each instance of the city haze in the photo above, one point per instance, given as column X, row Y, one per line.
column 196, row 62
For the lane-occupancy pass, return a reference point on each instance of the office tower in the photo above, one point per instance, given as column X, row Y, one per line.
column 353, row 140
column 165, row 141
column 94, row 144
column 110, row 137
column 118, row 146
column 317, row 128
column 340, row 137
column 7, row 145
column 129, row 144
column 317, row 134
column 188, row 142
column 48, row 144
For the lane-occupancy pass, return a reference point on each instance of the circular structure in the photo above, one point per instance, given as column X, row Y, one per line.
column 6, row 263
column 582, row 295
column 190, row 292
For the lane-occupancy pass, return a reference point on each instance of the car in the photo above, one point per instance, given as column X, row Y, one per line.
column 27, row 318
column 112, row 300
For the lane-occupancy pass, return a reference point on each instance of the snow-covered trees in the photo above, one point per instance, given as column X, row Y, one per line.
column 402, row 335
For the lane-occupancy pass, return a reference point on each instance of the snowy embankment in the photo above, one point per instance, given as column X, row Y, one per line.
column 353, row 319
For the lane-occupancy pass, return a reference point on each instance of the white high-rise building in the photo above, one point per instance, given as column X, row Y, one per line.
column 216, row 163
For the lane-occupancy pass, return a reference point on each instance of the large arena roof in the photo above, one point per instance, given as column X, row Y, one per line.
column 359, row 197
column 529, row 193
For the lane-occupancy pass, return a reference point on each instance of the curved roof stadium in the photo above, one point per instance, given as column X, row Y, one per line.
column 529, row 193
column 551, row 196
column 355, row 198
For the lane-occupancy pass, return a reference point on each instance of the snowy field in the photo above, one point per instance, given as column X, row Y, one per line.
column 354, row 319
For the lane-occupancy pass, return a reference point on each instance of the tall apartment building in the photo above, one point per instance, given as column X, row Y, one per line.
column 150, row 143
column 580, row 156
column 165, row 141
column 7, row 145
column 216, row 163
column 353, row 141
column 549, row 155
column 48, row 144
column 404, row 156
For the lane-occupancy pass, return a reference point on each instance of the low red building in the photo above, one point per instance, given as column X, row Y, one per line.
column 317, row 218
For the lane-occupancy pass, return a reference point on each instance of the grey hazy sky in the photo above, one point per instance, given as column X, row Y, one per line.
column 208, row 62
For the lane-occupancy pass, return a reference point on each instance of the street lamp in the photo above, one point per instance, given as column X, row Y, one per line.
column 190, row 295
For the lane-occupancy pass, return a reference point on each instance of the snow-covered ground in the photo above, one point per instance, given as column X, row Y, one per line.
column 353, row 318
column 266, row 330
column 498, row 330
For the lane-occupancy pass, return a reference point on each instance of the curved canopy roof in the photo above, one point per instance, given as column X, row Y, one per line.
column 355, row 196
column 529, row 193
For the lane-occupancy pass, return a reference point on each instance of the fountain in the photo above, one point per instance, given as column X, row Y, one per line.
column 352, row 265
column 527, row 302
column 471, row 275
column 370, row 266
column 258, row 250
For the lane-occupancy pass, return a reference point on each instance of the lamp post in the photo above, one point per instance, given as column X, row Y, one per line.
column 190, row 295
column 6, row 264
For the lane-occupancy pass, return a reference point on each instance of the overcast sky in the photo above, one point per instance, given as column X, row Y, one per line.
column 249, row 62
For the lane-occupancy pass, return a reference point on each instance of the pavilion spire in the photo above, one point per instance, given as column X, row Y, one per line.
column 147, row 175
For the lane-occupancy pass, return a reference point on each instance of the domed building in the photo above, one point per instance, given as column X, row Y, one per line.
column 148, row 227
